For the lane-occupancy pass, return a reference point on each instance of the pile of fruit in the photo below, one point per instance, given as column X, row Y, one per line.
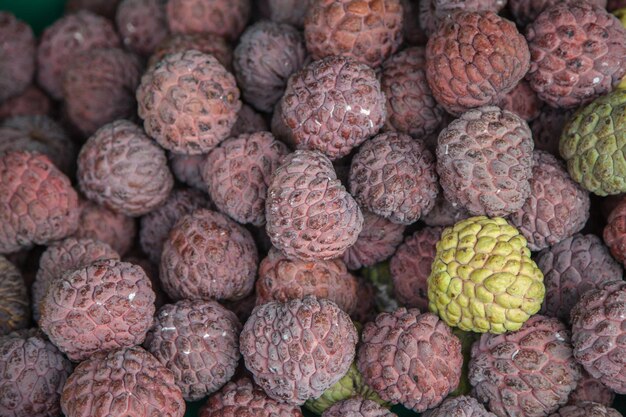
column 345, row 208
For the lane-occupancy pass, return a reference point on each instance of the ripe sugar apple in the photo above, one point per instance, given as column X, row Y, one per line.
column 463, row 406
column 593, row 145
column 204, row 42
column 357, row 407
column 219, row 17
column 587, row 409
column 483, row 279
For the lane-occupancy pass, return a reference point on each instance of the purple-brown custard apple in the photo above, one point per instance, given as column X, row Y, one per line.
column 587, row 409
column 17, row 56
column 410, row 358
column 434, row 12
column 29, row 102
column 591, row 389
column 14, row 311
column 526, row 11
column 142, row 24
column 223, row 18
column 291, row 12
column 309, row 213
column 99, row 223
column 615, row 231
column 204, row 42
column 298, row 349
column 357, row 407
column 462, row 406
column 523, row 101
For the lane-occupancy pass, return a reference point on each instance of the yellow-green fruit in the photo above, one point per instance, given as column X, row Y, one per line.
column 350, row 385
column 621, row 15
column 594, row 145
column 483, row 279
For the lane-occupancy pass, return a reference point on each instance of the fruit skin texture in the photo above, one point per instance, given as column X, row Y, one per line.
column 208, row 256
column 463, row 406
column 526, row 11
column 473, row 59
column 156, row 225
column 206, row 43
column 124, row 170
column 615, row 232
column 523, row 101
column 38, row 204
column 244, row 398
column 377, row 241
column 198, row 342
column 357, row 407
column 592, row 144
column 489, row 259
column 411, row 107
column 598, row 334
column 126, row 381
column 15, row 311
column 529, row 372
column 332, row 105
column 484, row 161
column 63, row 256
column 238, row 173
column 33, row 374
column 587, row 409
column 266, row 56
column 105, row 306
column 410, row 267
column 433, row 12
column 66, row 38
column 369, row 31
column 38, row 133
column 410, row 358
column 142, row 24
column 351, row 385
column 394, row 176
column 557, row 207
column 219, row 17
column 310, row 215
column 31, row 101
column 320, row 341
column 281, row 279
column 590, row 389
column 188, row 102
column 572, row 267
column 99, row 88
column 578, row 53
column 100, row 223
column 17, row 56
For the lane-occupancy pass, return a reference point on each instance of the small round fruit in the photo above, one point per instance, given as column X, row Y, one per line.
column 463, row 406
column 586, row 409
column 206, row 43
column 434, row 12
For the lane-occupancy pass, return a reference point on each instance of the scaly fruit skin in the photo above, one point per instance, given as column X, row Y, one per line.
column 433, row 12
column 100, row 223
column 156, row 225
column 14, row 312
column 351, row 385
column 266, row 56
column 587, row 409
column 369, row 31
column 32, row 375
column 377, row 241
column 126, row 381
column 142, row 24
column 244, row 398
column 39, row 133
column 477, row 46
column 484, row 161
column 526, row 11
column 123, row 169
column 206, row 43
column 199, row 342
column 189, row 102
column 208, row 256
column 529, row 372
column 590, row 389
column 248, row 121
column 332, row 105
column 63, row 256
column 104, row 306
column 444, row 213
column 238, row 172
column 357, row 407
column 282, row 279
column 572, row 64
column 17, row 56
column 99, row 88
column 393, row 175
column 63, row 40
column 319, row 337
column 593, row 143
column 557, row 207
column 548, row 128
column 523, row 101
column 37, row 203
column 31, row 101
column 463, row 406
column 599, row 335
column 483, row 279
column 615, row 232
column 310, row 215
column 411, row 107
column 410, row 267
column 219, row 17
column 572, row 267
column 426, row 362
